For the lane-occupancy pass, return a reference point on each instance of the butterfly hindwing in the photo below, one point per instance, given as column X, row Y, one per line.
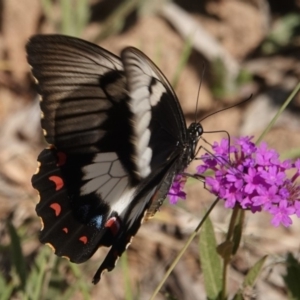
column 69, row 225
column 118, row 138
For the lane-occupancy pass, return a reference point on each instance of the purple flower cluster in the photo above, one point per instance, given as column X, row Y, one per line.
column 250, row 177
column 253, row 178
column 176, row 191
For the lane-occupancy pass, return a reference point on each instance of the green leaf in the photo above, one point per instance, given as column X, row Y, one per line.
column 17, row 255
column 83, row 15
column 283, row 34
column 37, row 274
column 250, row 279
column 67, row 17
column 254, row 272
column 40, row 273
column 292, row 277
column 210, row 261
column 6, row 289
column 126, row 276
column 83, row 285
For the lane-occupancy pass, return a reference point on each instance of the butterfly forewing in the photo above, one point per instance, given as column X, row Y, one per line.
column 118, row 138
column 157, row 117
column 72, row 76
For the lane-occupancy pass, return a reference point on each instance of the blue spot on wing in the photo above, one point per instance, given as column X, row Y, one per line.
column 90, row 210
column 96, row 221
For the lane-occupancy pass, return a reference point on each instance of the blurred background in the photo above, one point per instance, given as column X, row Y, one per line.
column 246, row 47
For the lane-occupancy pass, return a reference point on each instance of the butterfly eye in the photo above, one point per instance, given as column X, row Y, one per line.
column 199, row 130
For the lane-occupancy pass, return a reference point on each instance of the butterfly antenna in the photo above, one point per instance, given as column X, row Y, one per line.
column 215, row 112
column 198, row 93
column 224, row 131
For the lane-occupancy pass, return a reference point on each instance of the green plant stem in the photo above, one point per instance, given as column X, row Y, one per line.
column 232, row 223
column 228, row 239
column 224, row 279
column 180, row 254
column 282, row 108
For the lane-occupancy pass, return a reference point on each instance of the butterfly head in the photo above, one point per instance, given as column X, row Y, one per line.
column 195, row 131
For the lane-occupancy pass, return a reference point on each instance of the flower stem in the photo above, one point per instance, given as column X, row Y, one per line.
column 226, row 259
column 232, row 223
column 224, row 278
column 180, row 254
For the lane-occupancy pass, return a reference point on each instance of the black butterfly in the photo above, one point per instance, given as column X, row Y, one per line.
column 118, row 138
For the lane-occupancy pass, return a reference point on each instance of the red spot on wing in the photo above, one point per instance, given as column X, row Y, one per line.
column 65, row 229
column 57, row 208
column 83, row 239
column 61, row 158
column 113, row 224
column 58, row 181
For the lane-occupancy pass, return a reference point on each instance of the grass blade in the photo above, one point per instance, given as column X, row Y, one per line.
column 17, row 255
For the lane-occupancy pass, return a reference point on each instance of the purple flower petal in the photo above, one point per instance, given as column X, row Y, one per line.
column 281, row 214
